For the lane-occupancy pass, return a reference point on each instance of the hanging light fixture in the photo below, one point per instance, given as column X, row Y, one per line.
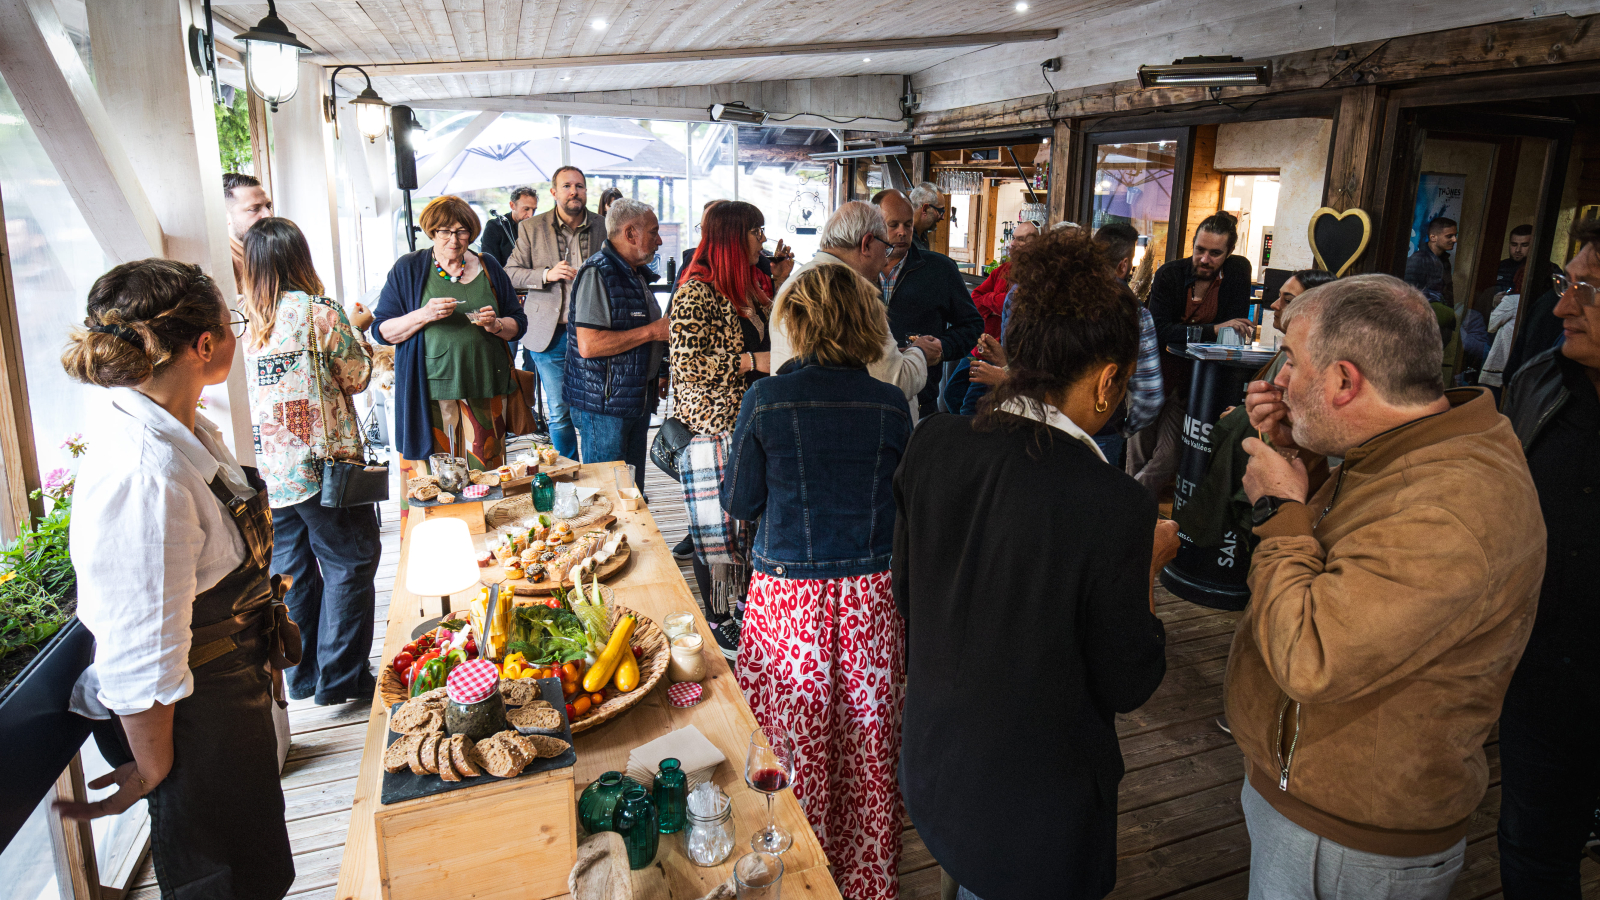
column 272, row 58
column 372, row 113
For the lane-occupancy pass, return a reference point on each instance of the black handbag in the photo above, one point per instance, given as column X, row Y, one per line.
column 671, row 438
column 344, row 483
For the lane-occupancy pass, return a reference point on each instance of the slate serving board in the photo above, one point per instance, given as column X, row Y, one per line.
column 401, row 786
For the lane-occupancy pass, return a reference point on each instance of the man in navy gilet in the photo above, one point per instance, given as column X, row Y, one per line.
column 617, row 341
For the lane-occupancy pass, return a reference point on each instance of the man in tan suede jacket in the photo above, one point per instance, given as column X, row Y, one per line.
column 1389, row 604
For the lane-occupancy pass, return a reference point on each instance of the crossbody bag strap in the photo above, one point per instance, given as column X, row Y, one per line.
column 316, row 386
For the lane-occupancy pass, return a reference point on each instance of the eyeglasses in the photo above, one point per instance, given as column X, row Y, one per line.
column 1582, row 291
column 888, row 248
column 937, row 209
column 238, row 323
column 760, row 232
column 444, row 234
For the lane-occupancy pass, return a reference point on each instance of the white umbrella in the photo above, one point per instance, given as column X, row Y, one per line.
column 518, row 151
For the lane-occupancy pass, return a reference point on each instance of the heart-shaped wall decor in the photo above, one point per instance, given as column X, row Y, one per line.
column 1339, row 238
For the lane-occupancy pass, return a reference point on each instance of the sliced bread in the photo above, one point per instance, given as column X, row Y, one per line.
column 459, row 758
column 395, row 758
column 503, row 758
column 542, row 718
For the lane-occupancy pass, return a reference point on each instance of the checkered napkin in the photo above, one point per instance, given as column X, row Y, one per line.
column 472, row 681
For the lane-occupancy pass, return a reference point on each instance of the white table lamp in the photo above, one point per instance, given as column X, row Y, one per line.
column 441, row 561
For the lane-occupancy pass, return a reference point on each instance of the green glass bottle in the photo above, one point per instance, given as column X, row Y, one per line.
column 636, row 822
column 671, row 794
column 544, row 493
column 597, row 806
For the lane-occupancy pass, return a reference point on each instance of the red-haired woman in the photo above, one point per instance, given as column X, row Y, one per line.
column 719, row 344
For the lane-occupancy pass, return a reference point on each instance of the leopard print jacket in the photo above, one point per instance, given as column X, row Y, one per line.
column 704, row 347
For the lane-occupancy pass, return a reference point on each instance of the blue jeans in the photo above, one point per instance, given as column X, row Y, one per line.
column 332, row 555
column 552, row 367
column 612, row 438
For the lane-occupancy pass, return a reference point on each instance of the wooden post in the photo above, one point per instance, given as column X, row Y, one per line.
column 19, row 464
column 1063, row 196
column 303, row 175
column 261, row 141
column 54, row 90
column 1352, row 159
column 72, row 843
column 165, row 114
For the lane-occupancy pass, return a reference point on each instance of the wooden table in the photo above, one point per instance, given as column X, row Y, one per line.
column 651, row 584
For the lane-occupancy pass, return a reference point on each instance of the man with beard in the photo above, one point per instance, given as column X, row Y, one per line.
column 500, row 232
column 550, row 249
column 1209, row 289
column 247, row 204
column 1388, row 605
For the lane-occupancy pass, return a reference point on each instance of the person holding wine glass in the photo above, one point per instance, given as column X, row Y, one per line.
column 1012, row 781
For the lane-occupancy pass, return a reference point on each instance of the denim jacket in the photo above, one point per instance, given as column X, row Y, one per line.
column 813, row 457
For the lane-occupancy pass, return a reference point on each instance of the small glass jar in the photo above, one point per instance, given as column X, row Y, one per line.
column 565, row 504
column 597, row 806
column 544, row 493
column 671, row 792
column 677, row 623
column 473, row 705
column 686, row 663
column 708, row 832
column 636, row 821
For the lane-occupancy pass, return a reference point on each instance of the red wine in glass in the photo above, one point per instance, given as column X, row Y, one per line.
column 767, row 768
column 769, row 781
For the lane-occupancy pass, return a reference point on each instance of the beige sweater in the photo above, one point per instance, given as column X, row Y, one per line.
column 905, row 369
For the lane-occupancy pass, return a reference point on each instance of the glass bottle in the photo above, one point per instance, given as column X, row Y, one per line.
column 636, row 822
column 544, row 493
column 671, row 791
column 597, row 806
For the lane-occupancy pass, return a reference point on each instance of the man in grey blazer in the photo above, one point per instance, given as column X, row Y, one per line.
column 549, row 250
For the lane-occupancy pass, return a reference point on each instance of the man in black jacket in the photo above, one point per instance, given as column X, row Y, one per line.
column 1428, row 270
column 1210, row 289
column 925, row 295
column 500, row 232
column 1550, row 722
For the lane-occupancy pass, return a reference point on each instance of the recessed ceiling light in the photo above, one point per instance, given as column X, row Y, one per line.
column 598, row 24
column 1022, row 7
column 566, row 78
column 866, row 59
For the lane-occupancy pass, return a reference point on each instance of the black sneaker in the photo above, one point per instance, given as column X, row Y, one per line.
column 684, row 548
column 727, row 635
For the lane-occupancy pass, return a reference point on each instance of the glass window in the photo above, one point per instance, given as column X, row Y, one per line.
column 1132, row 183
column 791, row 190
column 54, row 261
column 646, row 161
column 1254, row 199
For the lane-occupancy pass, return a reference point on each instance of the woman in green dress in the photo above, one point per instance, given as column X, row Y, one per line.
column 450, row 313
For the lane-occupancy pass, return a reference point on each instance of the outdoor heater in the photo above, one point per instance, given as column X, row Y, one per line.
column 1206, row 71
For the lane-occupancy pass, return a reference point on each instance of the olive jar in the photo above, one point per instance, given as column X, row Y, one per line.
column 473, row 705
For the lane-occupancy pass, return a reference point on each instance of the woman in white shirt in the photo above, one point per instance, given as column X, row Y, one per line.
column 171, row 541
column 303, row 415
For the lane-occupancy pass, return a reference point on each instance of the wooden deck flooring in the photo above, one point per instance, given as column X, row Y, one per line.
column 1181, row 831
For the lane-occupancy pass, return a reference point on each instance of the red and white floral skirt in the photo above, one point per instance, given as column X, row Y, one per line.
column 824, row 658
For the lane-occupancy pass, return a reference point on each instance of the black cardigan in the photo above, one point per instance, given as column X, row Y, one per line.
column 1021, row 566
column 1169, row 292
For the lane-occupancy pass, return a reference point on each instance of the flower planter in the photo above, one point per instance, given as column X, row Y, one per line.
column 39, row 736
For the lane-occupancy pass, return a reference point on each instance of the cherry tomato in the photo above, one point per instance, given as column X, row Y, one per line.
column 638, row 652
column 571, row 713
column 597, row 699
column 553, row 603
column 403, row 661
column 582, row 704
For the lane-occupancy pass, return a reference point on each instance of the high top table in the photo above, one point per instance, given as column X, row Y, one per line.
column 651, row 583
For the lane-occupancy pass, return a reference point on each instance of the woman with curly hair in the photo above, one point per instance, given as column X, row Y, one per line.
column 1050, row 572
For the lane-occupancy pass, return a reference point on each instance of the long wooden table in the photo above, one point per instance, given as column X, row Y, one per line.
column 651, row 583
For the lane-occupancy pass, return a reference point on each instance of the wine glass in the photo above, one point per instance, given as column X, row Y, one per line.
column 768, row 767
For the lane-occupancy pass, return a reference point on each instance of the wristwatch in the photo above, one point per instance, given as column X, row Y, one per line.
column 1266, row 508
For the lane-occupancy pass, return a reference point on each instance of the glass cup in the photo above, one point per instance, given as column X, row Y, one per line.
column 677, row 623
column 1196, row 334
column 624, row 475
column 759, row 876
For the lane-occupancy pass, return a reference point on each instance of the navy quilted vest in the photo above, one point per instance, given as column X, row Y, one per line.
column 611, row 385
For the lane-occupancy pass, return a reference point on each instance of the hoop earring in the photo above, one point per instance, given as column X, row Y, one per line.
column 1100, row 405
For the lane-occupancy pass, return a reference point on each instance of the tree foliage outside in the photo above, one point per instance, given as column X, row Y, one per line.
column 233, row 137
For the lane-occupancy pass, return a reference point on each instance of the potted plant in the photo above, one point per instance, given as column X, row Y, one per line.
column 43, row 650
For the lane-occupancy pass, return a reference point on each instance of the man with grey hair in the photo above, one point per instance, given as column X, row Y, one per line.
column 616, row 339
column 856, row 236
column 1389, row 603
column 927, row 211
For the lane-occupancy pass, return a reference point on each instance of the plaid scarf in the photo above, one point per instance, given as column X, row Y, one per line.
column 721, row 540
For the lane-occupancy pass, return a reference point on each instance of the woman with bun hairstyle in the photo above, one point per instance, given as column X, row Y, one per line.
column 301, row 417
column 171, row 541
column 1051, row 572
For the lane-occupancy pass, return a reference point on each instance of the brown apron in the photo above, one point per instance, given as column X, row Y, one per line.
column 217, row 820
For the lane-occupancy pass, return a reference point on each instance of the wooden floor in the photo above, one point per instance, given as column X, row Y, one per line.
column 1181, row 831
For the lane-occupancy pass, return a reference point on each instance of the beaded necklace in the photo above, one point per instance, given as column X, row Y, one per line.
column 443, row 274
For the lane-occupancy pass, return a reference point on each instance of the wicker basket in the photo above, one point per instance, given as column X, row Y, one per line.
column 647, row 636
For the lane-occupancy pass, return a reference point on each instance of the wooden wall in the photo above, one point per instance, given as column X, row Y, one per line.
column 1205, row 185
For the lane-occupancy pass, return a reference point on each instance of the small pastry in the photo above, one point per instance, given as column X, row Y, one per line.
column 538, row 546
column 541, row 534
column 529, row 555
column 536, row 573
column 547, row 556
column 513, row 568
column 519, row 542
column 566, row 537
column 548, row 456
column 485, row 559
column 446, row 497
column 505, row 473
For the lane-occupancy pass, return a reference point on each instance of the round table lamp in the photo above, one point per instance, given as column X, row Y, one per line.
column 441, row 561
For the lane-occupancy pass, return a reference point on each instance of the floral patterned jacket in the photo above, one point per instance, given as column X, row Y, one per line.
column 292, row 435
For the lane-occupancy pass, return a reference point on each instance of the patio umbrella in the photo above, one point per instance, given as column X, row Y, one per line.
column 517, row 151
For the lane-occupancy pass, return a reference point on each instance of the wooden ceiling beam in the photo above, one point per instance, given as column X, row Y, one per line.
column 466, row 67
column 544, row 104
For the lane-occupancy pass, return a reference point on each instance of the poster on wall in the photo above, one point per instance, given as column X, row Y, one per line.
column 1438, row 194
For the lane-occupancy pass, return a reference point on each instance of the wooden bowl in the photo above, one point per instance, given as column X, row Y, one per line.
column 652, row 666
